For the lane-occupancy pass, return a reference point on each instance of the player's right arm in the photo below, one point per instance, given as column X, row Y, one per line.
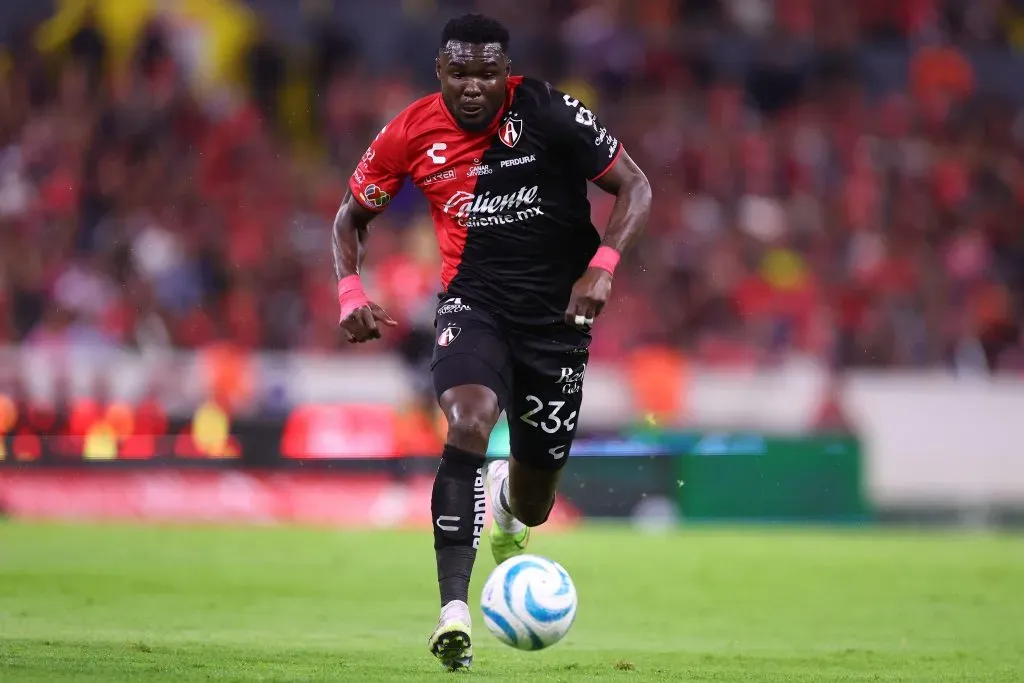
column 375, row 180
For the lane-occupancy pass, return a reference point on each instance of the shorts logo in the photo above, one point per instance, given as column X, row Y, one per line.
column 510, row 132
column 374, row 196
column 447, row 174
column 571, row 379
column 448, row 335
column 518, row 161
column 557, row 452
column 453, row 305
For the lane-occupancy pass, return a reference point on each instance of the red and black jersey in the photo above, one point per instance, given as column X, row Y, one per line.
column 509, row 204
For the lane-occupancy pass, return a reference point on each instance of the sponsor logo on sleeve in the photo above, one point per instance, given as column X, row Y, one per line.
column 375, row 196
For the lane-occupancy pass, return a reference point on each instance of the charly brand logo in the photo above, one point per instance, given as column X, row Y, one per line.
column 518, row 161
column 485, row 209
column 434, row 155
column 557, row 452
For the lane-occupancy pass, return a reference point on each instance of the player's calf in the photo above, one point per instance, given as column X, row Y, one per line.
column 457, row 506
column 531, row 491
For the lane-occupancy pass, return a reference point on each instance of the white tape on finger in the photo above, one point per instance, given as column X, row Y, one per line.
column 583, row 321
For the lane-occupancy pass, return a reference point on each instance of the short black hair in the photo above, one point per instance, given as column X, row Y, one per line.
column 475, row 29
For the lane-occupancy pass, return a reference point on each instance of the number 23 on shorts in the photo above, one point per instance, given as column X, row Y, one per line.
column 550, row 416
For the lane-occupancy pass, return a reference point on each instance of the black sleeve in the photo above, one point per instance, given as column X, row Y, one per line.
column 577, row 129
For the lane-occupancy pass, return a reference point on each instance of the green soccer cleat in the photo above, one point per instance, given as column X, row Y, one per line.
column 452, row 641
column 509, row 536
column 504, row 545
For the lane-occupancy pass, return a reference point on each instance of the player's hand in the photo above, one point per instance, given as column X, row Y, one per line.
column 589, row 295
column 361, row 324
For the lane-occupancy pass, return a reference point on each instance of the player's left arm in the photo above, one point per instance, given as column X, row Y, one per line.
column 632, row 191
column 605, row 163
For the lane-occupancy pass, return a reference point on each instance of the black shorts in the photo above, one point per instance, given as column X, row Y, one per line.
column 536, row 372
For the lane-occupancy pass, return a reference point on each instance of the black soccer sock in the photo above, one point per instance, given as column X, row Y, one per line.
column 457, row 506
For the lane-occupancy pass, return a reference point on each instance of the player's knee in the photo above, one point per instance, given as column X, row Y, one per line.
column 471, row 429
column 471, row 412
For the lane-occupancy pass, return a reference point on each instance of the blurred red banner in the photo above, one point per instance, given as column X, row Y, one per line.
column 318, row 499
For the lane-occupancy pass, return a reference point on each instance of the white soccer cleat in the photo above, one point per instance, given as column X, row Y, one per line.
column 452, row 641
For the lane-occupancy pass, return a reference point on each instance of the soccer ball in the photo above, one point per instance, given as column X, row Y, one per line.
column 529, row 602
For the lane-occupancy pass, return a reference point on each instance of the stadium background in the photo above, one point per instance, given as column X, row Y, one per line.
column 822, row 324
column 823, row 320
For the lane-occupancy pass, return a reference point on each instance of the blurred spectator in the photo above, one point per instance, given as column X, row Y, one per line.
column 833, row 179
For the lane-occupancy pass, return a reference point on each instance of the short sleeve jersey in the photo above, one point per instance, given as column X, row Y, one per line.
column 509, row 203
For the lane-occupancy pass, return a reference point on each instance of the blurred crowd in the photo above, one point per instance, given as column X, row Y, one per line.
column 834, row 179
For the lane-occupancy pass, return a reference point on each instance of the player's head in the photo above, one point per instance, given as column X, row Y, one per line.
column 472, row 65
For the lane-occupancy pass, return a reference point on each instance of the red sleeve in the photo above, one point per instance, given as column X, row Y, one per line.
column 383, row 168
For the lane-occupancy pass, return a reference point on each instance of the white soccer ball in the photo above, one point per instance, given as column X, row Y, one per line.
column 529, row 602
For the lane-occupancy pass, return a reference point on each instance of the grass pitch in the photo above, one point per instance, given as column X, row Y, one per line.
column 124, row 603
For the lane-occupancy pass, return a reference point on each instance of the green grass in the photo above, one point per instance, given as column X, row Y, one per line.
column 123, row 603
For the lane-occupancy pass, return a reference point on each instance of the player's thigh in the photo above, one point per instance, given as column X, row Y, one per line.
column 546, row 402
column 469, row 350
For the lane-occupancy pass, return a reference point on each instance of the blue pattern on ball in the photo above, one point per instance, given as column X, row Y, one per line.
column 501, row 623
column 544, row 615
column 566, row 585
column 510, row 579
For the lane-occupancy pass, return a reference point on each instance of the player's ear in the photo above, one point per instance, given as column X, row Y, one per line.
column 437, row 67
column 508, row 66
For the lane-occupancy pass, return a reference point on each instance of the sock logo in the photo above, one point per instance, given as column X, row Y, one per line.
column 452, row 525
column 479, row 507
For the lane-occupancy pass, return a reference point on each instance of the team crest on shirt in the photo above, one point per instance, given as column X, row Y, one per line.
column 375, row 196
column 511, row 130
column 448, row 335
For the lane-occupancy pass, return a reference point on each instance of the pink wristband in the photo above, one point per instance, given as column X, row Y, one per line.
column 351, row 295
column 606, row 258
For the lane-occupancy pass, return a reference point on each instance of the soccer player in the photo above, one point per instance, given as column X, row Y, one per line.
column 504, row 162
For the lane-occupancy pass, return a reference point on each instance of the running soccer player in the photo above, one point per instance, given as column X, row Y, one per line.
column 504, row 162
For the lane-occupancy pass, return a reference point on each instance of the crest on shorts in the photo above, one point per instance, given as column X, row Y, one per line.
column 448, row 335
column 510, row 132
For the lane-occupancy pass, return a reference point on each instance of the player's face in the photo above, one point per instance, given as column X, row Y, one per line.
column 473, row 82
